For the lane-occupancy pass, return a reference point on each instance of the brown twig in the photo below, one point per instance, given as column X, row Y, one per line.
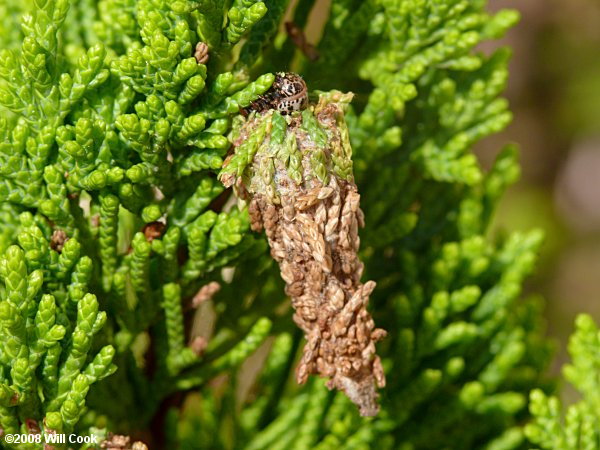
column 298, row 37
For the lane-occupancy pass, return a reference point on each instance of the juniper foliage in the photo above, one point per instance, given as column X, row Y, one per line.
column 112, row 136
column 580, row 426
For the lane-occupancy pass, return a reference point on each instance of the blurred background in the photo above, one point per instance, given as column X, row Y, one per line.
column 554, row 91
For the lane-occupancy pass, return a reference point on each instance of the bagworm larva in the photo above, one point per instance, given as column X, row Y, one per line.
column 295, row 172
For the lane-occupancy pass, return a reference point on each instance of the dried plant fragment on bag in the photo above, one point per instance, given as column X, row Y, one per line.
column 295, row 173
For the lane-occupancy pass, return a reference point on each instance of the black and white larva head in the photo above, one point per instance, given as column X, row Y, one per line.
column 291, row 93
column 287, row 94
column 289, row 84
